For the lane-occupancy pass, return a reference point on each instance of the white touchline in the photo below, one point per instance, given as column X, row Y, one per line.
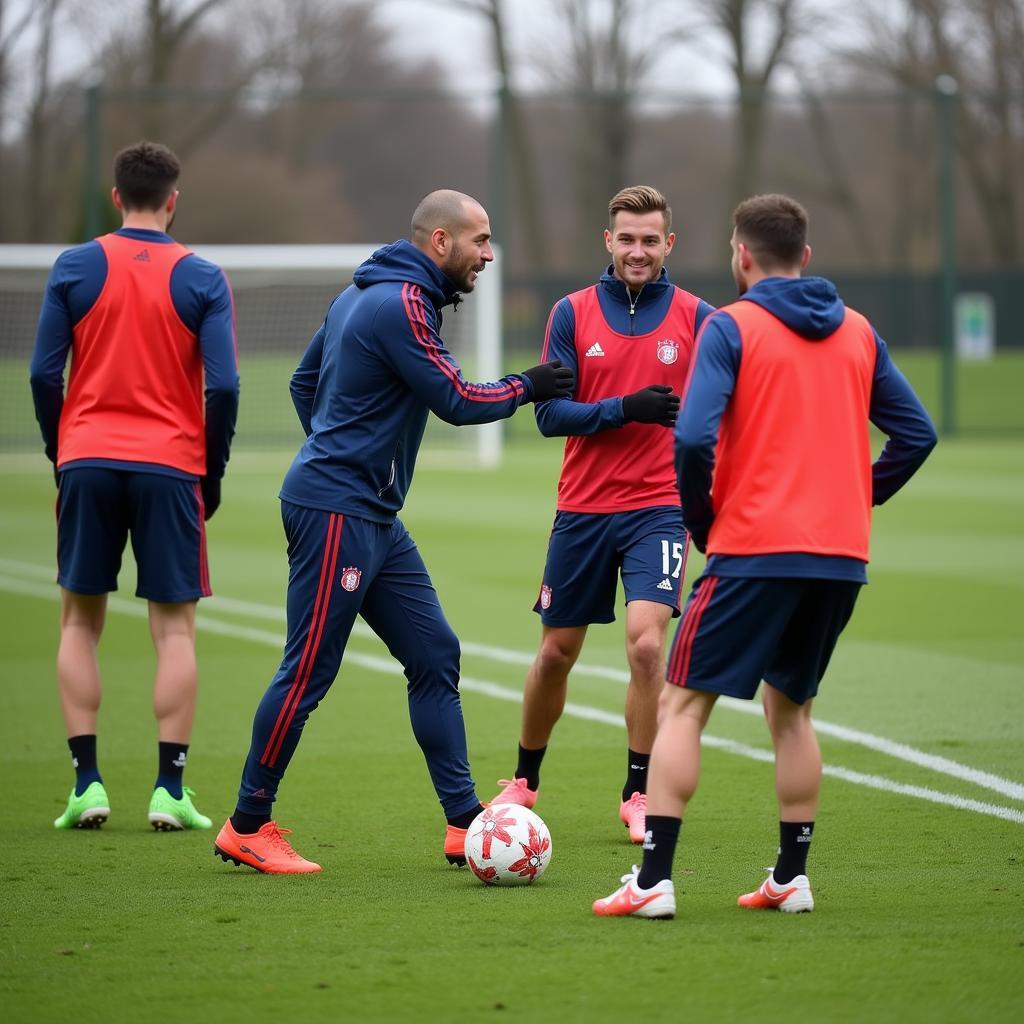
column 388, row 666
column 891, row 748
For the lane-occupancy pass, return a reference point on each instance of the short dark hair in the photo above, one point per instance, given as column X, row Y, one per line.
column 145, row 175
column 774, row 228
column 640, row 199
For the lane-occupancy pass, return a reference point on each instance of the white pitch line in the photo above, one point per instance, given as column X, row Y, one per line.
column 494, row 690
column 880, row 744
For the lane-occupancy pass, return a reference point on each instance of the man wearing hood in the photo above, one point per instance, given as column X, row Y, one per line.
column 363, row 390
column 773, row 457
column 629, row 338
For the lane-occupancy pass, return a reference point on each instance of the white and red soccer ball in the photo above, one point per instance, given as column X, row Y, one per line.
column 508, row 845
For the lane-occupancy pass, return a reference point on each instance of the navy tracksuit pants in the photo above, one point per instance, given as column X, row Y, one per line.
column 341, row 567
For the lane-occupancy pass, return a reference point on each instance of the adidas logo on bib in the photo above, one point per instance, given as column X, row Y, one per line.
column 595, row 349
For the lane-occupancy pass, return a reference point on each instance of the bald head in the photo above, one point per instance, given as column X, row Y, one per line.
column 453, row 230
column 445, row 209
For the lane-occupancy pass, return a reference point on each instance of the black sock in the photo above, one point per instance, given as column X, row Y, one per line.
column 246, row 824
column 636, row 776
column 171, row 763
column 463, row 820
column 659, row 849
column 83, row 757
column 529, row 765
column 794, row 842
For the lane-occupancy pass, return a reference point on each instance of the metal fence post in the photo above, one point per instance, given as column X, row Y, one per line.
column 93, row 215
column 946, row 91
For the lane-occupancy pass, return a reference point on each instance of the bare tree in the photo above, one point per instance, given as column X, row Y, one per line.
column 326, row 52
column 9, row 38
column 168, row 27
column 222, row 45
column 609, row 48
column 979, row 43
column 10, row 35
column 989, row 113
column 516, row 146
column 840, row 190
column 38, row 123
column 760, row 36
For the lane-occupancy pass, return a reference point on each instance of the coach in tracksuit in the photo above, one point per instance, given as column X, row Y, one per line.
column 362, row 391
column 773, row 454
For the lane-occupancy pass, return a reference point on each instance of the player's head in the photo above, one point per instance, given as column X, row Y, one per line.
column 145, row 180
column 454, row 231
column 639, row 234
column 769, row 239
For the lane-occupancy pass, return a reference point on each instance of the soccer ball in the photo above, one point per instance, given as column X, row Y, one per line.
column 508, row 845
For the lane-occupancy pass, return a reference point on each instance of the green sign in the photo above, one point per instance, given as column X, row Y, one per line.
column 974, row 319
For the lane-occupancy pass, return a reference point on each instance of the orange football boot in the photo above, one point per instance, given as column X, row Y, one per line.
column 455, row 845
column 516, row 792
column 633, row 814
column 267, row 850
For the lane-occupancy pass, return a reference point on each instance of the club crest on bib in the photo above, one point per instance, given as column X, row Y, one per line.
column 668, row 351
column 350, row 577
column 545, row 596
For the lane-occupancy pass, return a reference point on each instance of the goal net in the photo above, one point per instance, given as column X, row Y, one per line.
column 281, row 296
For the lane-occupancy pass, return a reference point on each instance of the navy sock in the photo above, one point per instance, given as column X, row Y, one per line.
column 794, row 842
column 83, row 757
column 171, row 765
column 529, row 765
column 464, row 820
column 636, row 775
column 246, row 824
column 659, row 850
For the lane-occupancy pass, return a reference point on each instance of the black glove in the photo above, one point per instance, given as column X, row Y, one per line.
column 550, row 380
column 210, row 486
column 654, row 404
column 56, row 476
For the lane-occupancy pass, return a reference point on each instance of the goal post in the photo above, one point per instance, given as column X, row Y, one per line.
column 281, row 296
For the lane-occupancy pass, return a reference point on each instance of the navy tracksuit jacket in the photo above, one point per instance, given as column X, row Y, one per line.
column 362, row 391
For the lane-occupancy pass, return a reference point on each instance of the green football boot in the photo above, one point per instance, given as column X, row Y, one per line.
column 90, row 810
column 169, row 815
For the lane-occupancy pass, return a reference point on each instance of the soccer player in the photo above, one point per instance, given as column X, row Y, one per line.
column 372, row 373
column 139, row 447
column 774, row 463
column 629, row 337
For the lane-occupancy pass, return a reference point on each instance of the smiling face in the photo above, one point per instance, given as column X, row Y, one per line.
column 638, row 245
column 469, row 248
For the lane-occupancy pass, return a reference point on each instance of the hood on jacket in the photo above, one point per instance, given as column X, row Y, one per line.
column 402, row 262
column 810, row 306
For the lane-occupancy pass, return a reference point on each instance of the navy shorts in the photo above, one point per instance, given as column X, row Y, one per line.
column 587, row 552
column 737, row 631
column 97, row 509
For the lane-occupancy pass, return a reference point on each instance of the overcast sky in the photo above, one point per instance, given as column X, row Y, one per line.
column 460, row 42
column 457, row 40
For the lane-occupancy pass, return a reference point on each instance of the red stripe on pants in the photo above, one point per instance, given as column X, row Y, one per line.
column 679, row 666
column 316, row 628
column 204, row 562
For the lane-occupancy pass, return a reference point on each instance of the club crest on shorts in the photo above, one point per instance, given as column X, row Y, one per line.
column 545, row 596
column 350, row 577
column 668, row 351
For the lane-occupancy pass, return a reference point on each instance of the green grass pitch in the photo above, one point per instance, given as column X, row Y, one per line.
column 918, row 879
